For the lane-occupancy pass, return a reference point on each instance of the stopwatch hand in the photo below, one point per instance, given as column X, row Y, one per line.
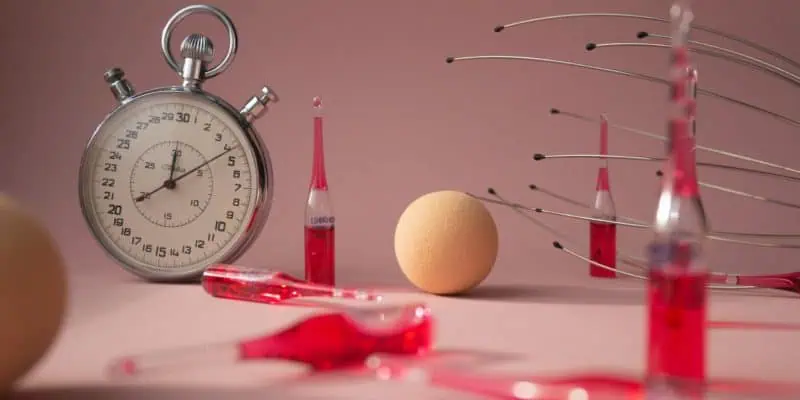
column 150, row 193
column 169, row 183
column 174, row 162
column 212, row 159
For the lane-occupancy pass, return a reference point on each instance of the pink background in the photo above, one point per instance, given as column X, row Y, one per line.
column 401, row 122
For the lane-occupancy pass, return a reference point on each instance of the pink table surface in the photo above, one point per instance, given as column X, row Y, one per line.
column 550, row 327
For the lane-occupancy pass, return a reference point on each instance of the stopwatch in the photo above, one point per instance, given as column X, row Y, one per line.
column 175, row 179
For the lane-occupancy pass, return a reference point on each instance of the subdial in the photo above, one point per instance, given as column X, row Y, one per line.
column 181, row 201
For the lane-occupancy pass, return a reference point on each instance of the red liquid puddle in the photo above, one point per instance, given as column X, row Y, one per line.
column 677, row 320
column 322, row 342
column 336, row 340
column 602, row 248
column 320, row 255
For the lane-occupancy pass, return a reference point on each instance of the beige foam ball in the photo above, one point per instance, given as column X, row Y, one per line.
column 446, row 242
column 33, row 292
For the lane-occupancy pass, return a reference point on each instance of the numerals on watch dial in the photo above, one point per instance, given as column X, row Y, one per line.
column 173, row 183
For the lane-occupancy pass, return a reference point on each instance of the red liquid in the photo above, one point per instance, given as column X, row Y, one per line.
column 602, row 249
column 335, row 340
column 677, row 320
column 322, row 342
column 320, row 255
column 271, row 287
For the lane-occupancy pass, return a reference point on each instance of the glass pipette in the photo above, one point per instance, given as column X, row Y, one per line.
column 603, row 235
column 322, row 342
column 273, row 287
column 320, row 230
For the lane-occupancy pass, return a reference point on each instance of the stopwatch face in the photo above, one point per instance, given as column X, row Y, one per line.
column 171, row 183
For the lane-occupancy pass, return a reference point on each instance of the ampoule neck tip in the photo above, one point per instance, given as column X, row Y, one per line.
column 317, row 102
column 603, row 181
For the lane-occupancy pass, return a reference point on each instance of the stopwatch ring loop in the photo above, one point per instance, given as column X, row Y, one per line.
column 166, row 37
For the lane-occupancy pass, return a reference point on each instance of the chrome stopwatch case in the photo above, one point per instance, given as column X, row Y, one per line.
column 175, row 178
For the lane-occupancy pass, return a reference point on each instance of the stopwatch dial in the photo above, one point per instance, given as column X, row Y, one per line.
column 173, row 184
column 149, row 173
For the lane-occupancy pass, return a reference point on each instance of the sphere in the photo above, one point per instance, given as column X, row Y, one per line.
column 33, row 292
column 446, row 242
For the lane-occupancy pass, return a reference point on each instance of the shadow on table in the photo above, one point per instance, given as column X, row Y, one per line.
column 159, row 393
column 557, row 294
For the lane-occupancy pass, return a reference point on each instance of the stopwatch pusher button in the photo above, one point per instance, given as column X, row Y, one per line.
column 120, row 87
column 257, row 105
column 113, row 75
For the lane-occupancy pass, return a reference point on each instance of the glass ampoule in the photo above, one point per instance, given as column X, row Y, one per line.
column 320, row 230
column 603, row 235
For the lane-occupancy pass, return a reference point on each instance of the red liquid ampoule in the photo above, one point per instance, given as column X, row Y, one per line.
column 678, row 274
column 677, row 312
column 319, row 226
column 261, row 285
column 603, row 235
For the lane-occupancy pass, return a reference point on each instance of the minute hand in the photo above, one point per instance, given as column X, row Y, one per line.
column 210, row 160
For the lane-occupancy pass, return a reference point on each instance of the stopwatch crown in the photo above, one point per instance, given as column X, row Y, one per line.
column 197, row 52
column 198, row 47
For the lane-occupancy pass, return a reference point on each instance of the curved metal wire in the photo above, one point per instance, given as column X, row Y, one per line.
column 561, row 247
column 732, row 280
column 706, row 29
column 701, row 48
column 756, row 60
column 710, row 53
column 621, row 222
column 744, row 194
column 557, row 111
column 634, row 75
column 717, row 233
column 540, row 157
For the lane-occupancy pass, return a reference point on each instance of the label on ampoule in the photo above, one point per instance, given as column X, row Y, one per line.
column 321, row 221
